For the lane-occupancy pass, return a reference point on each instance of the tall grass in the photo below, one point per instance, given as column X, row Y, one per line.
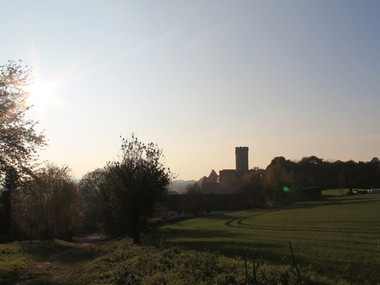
column 121, row 262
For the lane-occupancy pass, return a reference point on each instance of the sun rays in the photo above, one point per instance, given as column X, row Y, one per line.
column 42, row 95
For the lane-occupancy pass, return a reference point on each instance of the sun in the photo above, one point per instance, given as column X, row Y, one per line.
column 40, row 94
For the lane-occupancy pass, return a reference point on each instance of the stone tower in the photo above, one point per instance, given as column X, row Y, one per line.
column 241, row 154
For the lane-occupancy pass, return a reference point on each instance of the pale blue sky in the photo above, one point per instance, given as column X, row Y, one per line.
column 290, row 78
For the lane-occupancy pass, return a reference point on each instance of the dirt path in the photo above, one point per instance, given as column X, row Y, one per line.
column 61, row 268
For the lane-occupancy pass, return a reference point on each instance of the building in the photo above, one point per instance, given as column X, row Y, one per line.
column 229, row 181
column 222, row 192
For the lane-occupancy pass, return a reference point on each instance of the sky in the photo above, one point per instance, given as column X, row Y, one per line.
column 198, row 78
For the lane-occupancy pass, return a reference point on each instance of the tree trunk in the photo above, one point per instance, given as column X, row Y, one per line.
column 5, row 219
column 135, row 228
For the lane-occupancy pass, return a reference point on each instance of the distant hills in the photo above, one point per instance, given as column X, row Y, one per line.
column 180, row 185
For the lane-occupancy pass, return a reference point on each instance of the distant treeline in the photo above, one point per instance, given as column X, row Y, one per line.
column 282, row 182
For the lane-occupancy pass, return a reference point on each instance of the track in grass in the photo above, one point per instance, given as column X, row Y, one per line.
column 240, row 223
column 339, row 236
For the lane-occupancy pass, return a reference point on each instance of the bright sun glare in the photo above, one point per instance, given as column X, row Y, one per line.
column 40, row 94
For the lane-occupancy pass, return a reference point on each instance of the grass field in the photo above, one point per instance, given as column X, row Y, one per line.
column 336, row 241
column 339, row 237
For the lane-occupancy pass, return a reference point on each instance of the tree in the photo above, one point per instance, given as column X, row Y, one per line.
column 10, row 184
column 48, row 205
column 19, row 141
column 133, row 186
column 279, row 180
column 195, row 200
column 254, row 187
column 348, row 176
column 92, row 202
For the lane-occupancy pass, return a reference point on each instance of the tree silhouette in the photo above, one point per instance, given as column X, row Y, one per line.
column 195, row 200
column 133, row 186
column 91, row 195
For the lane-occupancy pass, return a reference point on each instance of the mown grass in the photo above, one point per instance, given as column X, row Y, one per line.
column 335, row 192
column 338, row 237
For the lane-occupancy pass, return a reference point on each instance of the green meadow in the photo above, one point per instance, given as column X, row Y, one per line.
column 338, row 237
column 335, row 241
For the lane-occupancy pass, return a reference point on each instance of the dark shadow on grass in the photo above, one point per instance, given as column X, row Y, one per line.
column 80, row 251
column 236, row 249
column 349, row 200
column 216, row 217
column 196, row 234
column 43, row 248
column 75, row 255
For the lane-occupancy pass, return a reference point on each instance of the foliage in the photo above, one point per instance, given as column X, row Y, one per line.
column 91, row 195
column 11, row 182
column 133, row 186
column 48, row 204
column 195, row 201
column 287, row 181
column 254, row 188
column 19, row 141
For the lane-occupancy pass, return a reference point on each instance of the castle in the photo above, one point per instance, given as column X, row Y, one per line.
column 229, row 181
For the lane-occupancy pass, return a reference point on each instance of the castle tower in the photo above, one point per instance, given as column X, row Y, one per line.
column 241, row 154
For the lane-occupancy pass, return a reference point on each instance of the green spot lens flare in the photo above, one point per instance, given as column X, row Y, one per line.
column 286, row 189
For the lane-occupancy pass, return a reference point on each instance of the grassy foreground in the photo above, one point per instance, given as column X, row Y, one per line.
column 121, row 262
column 335, row 241
column 17, row 257
column 338, row 237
